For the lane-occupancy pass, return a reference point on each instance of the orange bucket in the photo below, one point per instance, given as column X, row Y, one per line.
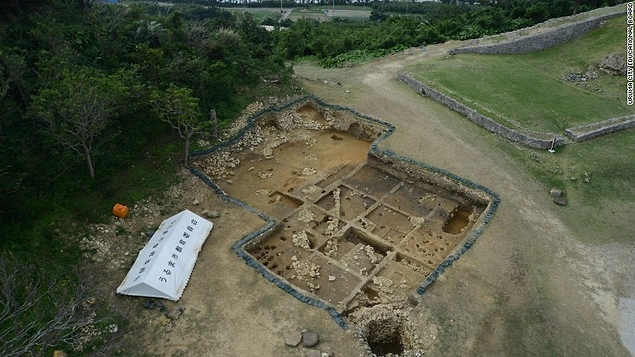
column 120, row 210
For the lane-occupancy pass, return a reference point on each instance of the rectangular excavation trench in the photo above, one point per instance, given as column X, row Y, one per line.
column 351, row 229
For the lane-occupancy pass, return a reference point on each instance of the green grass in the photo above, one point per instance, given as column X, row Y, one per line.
column 329, row 6
column 598, row 211
column 259, row 15
column 308, row 14
column 527, row 91
column 349, row 13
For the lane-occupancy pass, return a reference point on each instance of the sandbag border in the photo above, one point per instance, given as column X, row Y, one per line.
column 270, row 221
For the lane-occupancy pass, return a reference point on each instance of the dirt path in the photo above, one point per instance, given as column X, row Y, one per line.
column 527, row 287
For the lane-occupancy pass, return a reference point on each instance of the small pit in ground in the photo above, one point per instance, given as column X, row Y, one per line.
column 384, row 337
column 457, row 222
column 353, row 228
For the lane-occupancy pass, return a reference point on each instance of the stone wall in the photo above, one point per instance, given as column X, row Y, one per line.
column 532, row 140
column 593, row 130
column 539, row 41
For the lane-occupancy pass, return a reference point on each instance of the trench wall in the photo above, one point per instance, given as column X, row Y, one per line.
column 532, row 140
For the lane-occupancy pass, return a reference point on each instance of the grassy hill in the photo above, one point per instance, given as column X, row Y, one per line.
column 527, row 90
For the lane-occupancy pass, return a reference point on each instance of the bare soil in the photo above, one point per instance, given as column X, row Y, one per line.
column 353, row 231
column 527, row 287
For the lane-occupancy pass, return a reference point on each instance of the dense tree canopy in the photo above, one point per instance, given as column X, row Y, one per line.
column 76, row 78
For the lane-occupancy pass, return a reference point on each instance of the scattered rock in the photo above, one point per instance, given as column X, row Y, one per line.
column 230, row 182
column 168, row 327
column 578, row 77
column 310, row 339
column 149, row 304
column 176, row 313
column 265, row 174
column 263, row 192
column 113, row 328
column 330, row 83
column 213, row 214
column 293, row 338
column 560, row 201
column 558, row 196
column 311, row 157
column 308, row 171
column 60, row 353
column 556, row 193
column 202, row 143
column 614, row 64
column 305, row 215
column 591, row 73
column 301, row 240
column 165, row 321
column 413, row 300
column 161, row 307
column 196, row 202
column 305, row 270
column 331, row 278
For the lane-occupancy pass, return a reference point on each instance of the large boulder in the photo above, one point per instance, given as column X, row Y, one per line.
column 310, row 338
column 293, row 338
column 558, row 196
column 555, row 192
column 614, row 64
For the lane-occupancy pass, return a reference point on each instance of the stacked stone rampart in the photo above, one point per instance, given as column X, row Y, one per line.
column 539, row 41
column 593, row 130
column 533, row 140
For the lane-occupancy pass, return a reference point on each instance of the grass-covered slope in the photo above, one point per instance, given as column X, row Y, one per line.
column 527, row 91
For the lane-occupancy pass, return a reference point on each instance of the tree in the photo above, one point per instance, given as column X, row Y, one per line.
column 38, row 310
column 12, row 67
column 177, row 107
column 77, row 110
column 537, row 12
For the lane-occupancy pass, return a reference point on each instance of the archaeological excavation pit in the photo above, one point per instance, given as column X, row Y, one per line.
column 385, row 337
column 353, row 226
